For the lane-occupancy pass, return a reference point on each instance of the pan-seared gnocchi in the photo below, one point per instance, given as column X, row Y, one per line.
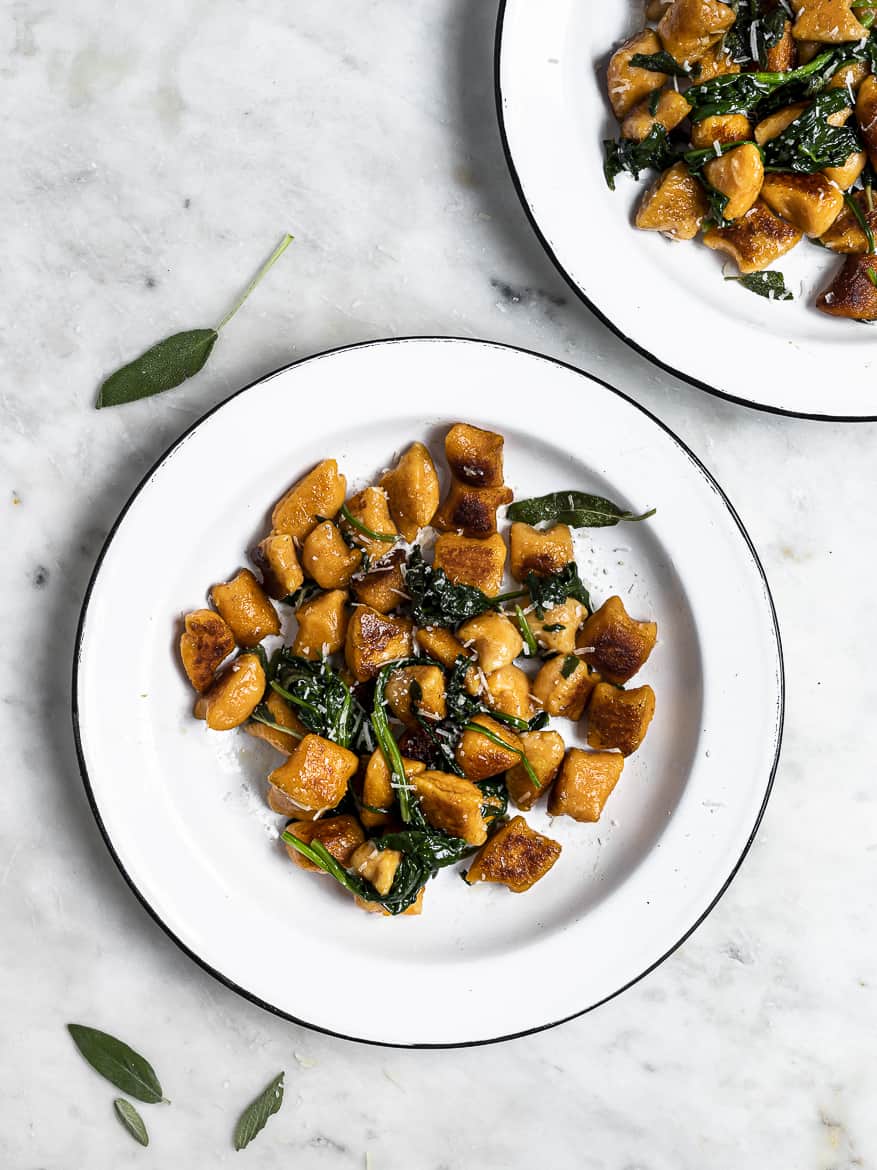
column 760, row 123
column 408, row 700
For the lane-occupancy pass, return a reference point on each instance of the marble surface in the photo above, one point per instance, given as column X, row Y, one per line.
column 152, row 155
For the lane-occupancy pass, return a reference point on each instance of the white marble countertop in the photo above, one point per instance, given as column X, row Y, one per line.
column 152, row 157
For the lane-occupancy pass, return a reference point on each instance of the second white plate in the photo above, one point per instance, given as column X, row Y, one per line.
column 666, row 299
column 183, row 808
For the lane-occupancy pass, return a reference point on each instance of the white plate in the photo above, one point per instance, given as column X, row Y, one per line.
column 182, row 808
column 666, row 299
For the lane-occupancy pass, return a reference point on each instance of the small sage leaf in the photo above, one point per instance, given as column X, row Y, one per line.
column 121, row 1065
column 162, row 367
column 254, row 1118
column 179, row 356
column 131, row 1120
column 577, row 509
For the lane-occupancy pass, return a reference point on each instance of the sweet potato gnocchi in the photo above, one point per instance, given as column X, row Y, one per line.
column 760, row 119
column 408, row 701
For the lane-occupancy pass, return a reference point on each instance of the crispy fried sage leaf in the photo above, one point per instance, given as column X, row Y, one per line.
column 766, row 284
column 255, row 1117
column 131, row 1120
column 577, row 509
column 121, row 1065
column 176, row 358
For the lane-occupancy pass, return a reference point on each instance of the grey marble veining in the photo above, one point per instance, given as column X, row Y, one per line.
column 152, row 155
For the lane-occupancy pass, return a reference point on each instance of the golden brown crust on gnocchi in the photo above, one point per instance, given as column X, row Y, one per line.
column 614, row 644
column 277, row 560
column 469, row 561
column 320, row 493
column 619, row 719
column 374, row 639
column 516, row 856
column 341, row 836
column 755, row 240
column 412, row 488
column 205, row 643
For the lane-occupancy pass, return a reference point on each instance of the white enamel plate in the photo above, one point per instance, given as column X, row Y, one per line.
column 182, row 808
column 667, row 299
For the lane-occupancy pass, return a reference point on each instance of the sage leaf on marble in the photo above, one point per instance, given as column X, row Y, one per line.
column 131, row 1120
column 254, row 1118
column 121, row 1065
column 577, row 509
column 178, row 357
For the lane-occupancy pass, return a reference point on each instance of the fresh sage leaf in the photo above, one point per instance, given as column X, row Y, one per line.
column 254, row 1118
column 178, row 357
column 577, row 509
column 131, row 1120
column 160, row 368
column 121, row 1065
column 771, row 285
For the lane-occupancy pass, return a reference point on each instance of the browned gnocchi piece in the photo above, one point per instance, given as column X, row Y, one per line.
column 627, row 84
column 755, row 240
column 495, row 639
column 317, row 773
column 418, row 689
column 319, row 494
column 205, row 643
column 246, row 609
column 544, row 751
column 374, row 639
column 675, row 204
column 720, row 129
column 469, row 561
column 483, row 755
column 585, row 783
column 540, row 552
column 340, row 836
column 412, row 488
column 277, row 560
column 556, row 630
column 327, row 559
column 452, row 804
column 828, row 22
column 474, row 456
column 322, row 625
column 508, row 691
column 563, row 686
column 383, row 586
column 668, row 111
column 234, row 695
column 852, row 293
column 470, row 510
column 370, row 511
column 619, row 719
column 689, row 28
column 738, row 175
column 614, row 644
column 377, row 788
column 809, row 202
column 516, row 856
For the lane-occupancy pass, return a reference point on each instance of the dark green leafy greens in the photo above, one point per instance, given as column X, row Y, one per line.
column 437, row 601
column 176, row 358
column 121, row 1065
column 255, row 1117
column 766, row 284
column 131, row 1120
column 577, row 509
column 664, row 62
column 655, row 152
column 548, row 592
column 810, row 142
column 754, row 29
column 323, row 701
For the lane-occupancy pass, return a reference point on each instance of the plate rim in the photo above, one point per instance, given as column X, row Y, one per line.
column 690, row 379
column 92, row 801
